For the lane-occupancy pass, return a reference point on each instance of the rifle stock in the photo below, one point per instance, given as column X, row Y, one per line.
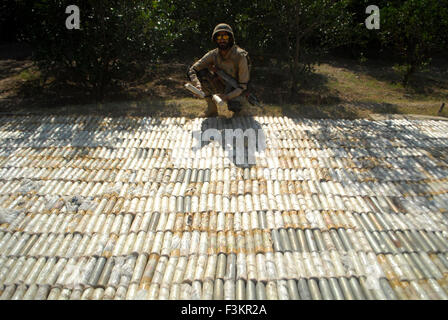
column 251, row 98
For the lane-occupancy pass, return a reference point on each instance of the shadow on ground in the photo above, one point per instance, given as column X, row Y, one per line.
column 160, row 82
column 272, row 86
column 160, row 93
column 424, row 82
column 240, row 137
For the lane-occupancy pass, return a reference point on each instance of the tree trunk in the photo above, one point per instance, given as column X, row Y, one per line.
column 295, row 60
column 410, row 69
column 295, row 67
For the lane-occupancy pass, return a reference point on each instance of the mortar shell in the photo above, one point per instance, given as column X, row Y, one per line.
column 97, row 271
column 196, row 290
column 45, row 271
column 5, row 240
column 126, row 270
column 257, row 241
column 160, row 270
column 417, row 265
column 105, row 273
column 274, row 241
column 180, row 270
column 431, row 266
column 148, row 243
column 174, row 292
column 65, row 294
column 109, row 293
column 14, row 271
column 115, row 228
column 54, row 293
column 120, row 294
column 19, row 292
column 26, row 269
column 38, row 245
column 190, row 269
column 335, row 289
column 388, row 291
column 303, row 246
column 185, row 291
column 98, row 294
column 251, row 266
column 373, row 242
column 210, row 268
column 441, row 260
column 42, row 292
column 73, row 245
column 295, row 245
column 260, row 291
column 427, row 291
column 139, row 268
column 314, row 289
column 28, row 245
column 221, row 266
column 367, row 289
column 356, row 289
column 261, row 268
column 436, row 241
column 282, row 290
column 169, row 272
column 132, row 291
column 346, row 288
column 200, row 267
column 194, row 242
column 218, row 289
column 30, row 292
column 439, row 234
column 268, row 241
column 271, row 291
column 230, row 272
column 438, row 289
column 164, row 293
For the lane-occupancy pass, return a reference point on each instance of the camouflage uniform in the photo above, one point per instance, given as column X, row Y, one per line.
column 234, row 63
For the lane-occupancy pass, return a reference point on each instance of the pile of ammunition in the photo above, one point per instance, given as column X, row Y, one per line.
column 132, row 208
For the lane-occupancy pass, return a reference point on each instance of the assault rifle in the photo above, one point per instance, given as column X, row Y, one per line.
column 251, row 98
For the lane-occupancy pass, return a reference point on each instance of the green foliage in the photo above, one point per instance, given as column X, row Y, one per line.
column 118, row 38
column 8, row 20
column 303, row 30
column 415, row 29
column 112, row 44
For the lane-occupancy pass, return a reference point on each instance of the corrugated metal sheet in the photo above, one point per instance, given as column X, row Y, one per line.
column 136, row 208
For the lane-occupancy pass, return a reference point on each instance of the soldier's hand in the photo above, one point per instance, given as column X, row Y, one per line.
column 198, row 85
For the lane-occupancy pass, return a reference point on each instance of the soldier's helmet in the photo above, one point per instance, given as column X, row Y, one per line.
column 223, row 27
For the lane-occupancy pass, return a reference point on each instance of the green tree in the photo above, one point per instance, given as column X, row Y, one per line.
column 301, row 30
column 415, row 29
column 114, row 40
column 9, row 24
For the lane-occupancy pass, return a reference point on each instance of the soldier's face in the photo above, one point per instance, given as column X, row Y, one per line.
column 223, row 40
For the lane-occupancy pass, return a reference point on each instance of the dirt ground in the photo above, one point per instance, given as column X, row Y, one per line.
column 338, row 89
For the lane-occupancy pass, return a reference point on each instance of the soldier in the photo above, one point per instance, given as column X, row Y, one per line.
column 227, row 57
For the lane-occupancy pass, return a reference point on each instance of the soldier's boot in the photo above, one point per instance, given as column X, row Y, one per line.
column 212, row 109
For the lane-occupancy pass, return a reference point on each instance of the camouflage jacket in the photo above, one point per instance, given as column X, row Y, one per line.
column 234, row 63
